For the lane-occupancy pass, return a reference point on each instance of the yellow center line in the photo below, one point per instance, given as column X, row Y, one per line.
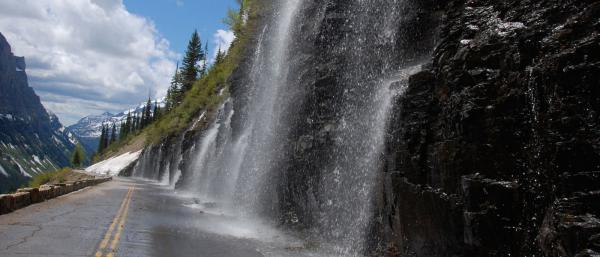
column 115, row 242
column 106, row 238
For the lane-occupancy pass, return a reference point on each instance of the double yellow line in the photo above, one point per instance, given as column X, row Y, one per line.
column 119, row 219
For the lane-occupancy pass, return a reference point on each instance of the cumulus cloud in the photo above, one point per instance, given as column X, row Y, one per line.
column 87, row 56
column 222, row 39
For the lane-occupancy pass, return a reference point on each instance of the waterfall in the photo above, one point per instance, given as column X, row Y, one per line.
column 263, row 125
column 305, row 147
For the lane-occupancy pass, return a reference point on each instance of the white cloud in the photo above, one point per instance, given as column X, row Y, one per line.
column 222, row 39
column 87, row 56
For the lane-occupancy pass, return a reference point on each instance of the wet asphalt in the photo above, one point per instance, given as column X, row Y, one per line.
column 149, row 221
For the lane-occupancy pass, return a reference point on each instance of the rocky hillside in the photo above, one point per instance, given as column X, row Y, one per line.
column 31, row 139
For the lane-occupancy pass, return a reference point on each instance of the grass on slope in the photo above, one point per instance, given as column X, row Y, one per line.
column 60, row 176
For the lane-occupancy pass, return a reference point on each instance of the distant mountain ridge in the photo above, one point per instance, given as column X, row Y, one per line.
column 89, row 128
column 32, row 140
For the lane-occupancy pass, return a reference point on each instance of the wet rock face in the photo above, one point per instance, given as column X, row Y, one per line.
column 494, row 144
column 571, row 226
column 491, row 150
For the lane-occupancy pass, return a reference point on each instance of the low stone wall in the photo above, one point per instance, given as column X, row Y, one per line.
column 27, row 196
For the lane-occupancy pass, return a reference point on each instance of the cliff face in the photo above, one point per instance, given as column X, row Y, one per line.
column 31, row 140
column 409, row 128
column 495, row 145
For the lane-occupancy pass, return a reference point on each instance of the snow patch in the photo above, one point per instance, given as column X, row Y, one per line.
column 113, row 166
column 3, row 171
column 25, row 173
column 6, row 116
column 37, row 159
column 72, row 138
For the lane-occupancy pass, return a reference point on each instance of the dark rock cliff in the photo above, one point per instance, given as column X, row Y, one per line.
column 31, row 140
column 495, row 146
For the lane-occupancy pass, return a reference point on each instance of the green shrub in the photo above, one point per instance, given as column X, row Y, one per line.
column 43, row 178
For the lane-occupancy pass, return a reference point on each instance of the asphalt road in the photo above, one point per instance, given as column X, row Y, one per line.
column 119, row 218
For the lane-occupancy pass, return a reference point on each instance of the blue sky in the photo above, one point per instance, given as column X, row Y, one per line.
column 177, row 19
column 86, row 57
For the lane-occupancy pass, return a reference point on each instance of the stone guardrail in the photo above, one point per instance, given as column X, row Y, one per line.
column 27, row 196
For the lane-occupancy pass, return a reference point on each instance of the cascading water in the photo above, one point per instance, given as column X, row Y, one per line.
column 247, row 161
column 347, row 188
column 263, row 124
column 308, row 147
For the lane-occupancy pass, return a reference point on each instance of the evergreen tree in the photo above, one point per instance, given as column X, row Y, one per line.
column 138, row 122
column 122, row 132
column 174, row 91
column 101, row 141
column 156, row 112
column 142, row 121
column 220, row 56
column 204, row 68
column 168, row 99
column 107, row 137
column 113, row 137
column 148, row 113
column 127, row 127
column 193, row 55
column 133, row 127
column 78, row 156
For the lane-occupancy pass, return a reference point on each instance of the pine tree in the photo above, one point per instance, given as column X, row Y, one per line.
column 174, row 91
column 156, row 112
column 142, row 121
column 133, row 127
column 106, row 138
column 78, row 156
column 128, row 123
column 204, row 69
column 138, row 122
column 168, row 99
column 220, row 56
column 113, row 137
column 127, row 127
column 147, row 115
column 122, row 132
column 101, row 141
column 193, row 55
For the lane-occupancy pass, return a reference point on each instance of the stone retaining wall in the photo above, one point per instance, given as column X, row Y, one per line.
column 27, row 196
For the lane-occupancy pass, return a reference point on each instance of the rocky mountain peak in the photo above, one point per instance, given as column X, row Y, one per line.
column 32, row 140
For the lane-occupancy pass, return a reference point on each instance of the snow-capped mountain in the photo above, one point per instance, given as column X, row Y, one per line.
column 91, row 126
column 88, row 129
